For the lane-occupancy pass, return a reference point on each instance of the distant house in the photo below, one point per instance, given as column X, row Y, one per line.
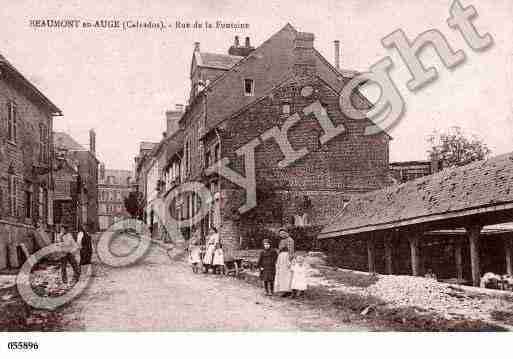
column 410, row 170
column 141, row 163
column 113, row 187
column 67, row 206
column 237, row 97
column 26, row 185
column 87, row 165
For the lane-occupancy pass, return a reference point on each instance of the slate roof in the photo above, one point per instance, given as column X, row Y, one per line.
column 217, row 61
column 451, row 191
column 64, row 141
column 33, row 90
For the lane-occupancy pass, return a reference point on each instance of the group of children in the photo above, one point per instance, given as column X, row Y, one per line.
column 282, row 272
column 208, row 256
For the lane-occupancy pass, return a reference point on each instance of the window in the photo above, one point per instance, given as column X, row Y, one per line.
column 44, row 143
column 1, row 203
column 28, row 203
column 187, row 158
column 11, row 121
column 13, row 195
column 45, row 206
column 249, row 87
column 208, row 159
column 40, row 203
column 286, row 109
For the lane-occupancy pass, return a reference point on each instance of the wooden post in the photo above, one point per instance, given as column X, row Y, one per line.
column 473, row 237
column 414, row 238
column 371, row 253
column 459, row 259
column 508, row 249
column 388, row 253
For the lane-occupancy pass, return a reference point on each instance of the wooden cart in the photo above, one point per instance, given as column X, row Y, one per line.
column 233, row 267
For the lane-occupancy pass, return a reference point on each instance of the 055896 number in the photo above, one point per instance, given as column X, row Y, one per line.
column 23, row 346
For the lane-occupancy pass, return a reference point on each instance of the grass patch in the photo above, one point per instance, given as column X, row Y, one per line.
column 351, row 279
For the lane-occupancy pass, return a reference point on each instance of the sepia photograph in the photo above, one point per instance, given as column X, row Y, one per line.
column 336, row 167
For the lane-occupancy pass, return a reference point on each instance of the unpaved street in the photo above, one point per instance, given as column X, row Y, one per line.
column 160, row 294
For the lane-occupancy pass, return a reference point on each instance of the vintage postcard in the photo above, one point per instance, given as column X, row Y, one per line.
column 227, row 166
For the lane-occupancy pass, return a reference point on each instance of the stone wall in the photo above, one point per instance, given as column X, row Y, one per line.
column 19, row 158
column 325, row 178
column 11, row 236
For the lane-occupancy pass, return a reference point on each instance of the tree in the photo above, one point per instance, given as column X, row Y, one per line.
column 134, row 204
column 455, row 148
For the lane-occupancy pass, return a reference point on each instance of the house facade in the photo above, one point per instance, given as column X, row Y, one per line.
column 141, row 163
column 113, row 187
column 26, row 183
column 242, row 106
column 68, row 204
column 87, row 165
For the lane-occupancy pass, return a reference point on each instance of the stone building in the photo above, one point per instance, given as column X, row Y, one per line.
column 87, row 165
column 113, row 187
column 26, row 183
column 409, row 170
column 68, row 204
column 239, row 103
column 141, row 163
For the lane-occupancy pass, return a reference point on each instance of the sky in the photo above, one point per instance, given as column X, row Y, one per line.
column 120, row 83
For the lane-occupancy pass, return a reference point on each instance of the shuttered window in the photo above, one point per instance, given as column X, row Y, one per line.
column 13, row 195
column 11, row 121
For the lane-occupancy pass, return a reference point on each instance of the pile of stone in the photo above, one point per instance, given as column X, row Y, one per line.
column 426, row 293
column 401, row 291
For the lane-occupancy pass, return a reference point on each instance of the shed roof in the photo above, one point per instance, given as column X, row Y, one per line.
column 451, row 192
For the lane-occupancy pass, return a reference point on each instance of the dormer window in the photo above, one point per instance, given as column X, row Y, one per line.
column 249, row 87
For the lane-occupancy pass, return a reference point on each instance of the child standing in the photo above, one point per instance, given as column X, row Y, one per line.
column 195, row 256
column 298, row 284
column 218, row 261
column 267, row 266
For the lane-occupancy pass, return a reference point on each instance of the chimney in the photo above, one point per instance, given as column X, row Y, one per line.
column 196, row 47
column 172, row 118
column 304, row 55
column 237, row 50
column 337, row 54
column 92, row 141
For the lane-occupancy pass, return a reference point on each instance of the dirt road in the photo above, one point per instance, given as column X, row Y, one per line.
column 160, row 294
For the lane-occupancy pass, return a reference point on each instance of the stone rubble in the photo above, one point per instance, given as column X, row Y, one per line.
column 419, row 292
column 403, row 291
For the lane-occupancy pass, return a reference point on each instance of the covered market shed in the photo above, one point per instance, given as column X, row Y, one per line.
column 467, row 199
